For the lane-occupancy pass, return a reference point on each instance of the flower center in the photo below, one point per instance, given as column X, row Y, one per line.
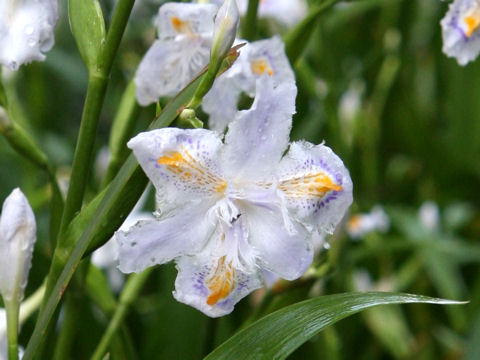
column 260, row 66
column 472, row 20
column 221, row 283
column 315, row 184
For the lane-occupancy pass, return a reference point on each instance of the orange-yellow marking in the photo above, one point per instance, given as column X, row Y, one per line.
column 260, row 66
column 472, row 22
column 189, row 169
column 222, row 282
column 180, row 26
column 354, row 222
column 317, row 184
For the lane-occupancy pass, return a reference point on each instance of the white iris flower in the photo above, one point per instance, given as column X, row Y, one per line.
column 232, row 208
column 360, row 225
column 460, row 30
column 257, row 59
column 26, row 30
column 17, row 238
column 180, row 52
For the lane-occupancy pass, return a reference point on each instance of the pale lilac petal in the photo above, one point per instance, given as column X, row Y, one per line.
column 257, row 137
column 180, row 163
column 153, row 242
column 285, row 253
column 316, row 185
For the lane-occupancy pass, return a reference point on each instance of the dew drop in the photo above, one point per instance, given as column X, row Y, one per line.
column 31, row 42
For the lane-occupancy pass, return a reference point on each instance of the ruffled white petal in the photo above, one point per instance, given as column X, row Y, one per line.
column 17, row 238
column 26, row 30
column 257, row 137
column 460, row 30
column 263, row 57
column 283, row 252
column 286, row 12
column 169, row 65
column 316, row 185
column 185, row 19
column 153, row 242
column 217, row 278
column 181, row 164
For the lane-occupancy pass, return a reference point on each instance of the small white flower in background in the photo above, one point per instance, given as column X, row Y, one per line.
column 232, row 208
column 106, row 257
column 259, row 58
column 429, row 216
column 285, row 12
column 360, row 225
column 17, row 238
column 460, row 30
column 26, row 30
column 180, row 52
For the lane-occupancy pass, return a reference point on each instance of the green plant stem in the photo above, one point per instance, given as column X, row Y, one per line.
column 249, row 26
column 130, row 292
column 12, row 308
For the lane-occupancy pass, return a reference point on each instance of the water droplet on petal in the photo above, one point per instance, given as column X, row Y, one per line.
column 28, row 30
column 31, row 42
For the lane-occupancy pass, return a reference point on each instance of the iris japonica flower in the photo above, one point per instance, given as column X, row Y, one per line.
column 258, row 58
column 180, row 52
column 460, row 30
column 26, row 30
column 230, row 208
column 359, row 225
column 17, row 238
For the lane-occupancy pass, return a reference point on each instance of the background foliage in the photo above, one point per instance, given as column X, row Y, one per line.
column 414, row 137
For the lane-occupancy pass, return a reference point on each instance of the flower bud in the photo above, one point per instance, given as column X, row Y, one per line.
column 225, row 30
column 17, row 238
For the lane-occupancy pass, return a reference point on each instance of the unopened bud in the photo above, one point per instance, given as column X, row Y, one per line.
column 225, row 30
column 17, row 238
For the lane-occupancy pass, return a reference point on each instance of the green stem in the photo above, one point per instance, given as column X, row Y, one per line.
column 249, row 26
column 12, row 308
column 130, row 292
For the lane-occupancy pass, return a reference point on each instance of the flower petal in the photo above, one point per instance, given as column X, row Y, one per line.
column 185, row 19
column 212, row 285
column 169, row 65
column 26, row 30
column 316, row 185
column 153, row 242
column 285, row 254
column 257, row 137
column 460, row 31
column 180, row 163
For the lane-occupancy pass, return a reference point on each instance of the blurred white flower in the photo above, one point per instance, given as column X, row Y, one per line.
column 461, row 38
column 259, row 58
column 232, row 208
column 429, row 216
column 285, row 12
column 26, row 30
column 360, row 225
column 180, row 52
column 17, row 238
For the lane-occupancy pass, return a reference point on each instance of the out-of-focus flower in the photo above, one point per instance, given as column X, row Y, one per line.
column 429, row 216
column 259, row 58
column 460, row 30
column 180, row 52
column 360, row 225
column 106, row 257
column 17, row 238
column 230, row 209
column 26, row 30
column 225, row 30
column 285, row 12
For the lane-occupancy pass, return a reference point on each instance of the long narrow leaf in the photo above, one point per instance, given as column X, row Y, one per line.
column 277, row 335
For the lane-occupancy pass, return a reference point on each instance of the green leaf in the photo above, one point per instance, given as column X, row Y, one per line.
column 88, row 28
column 277, row 335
